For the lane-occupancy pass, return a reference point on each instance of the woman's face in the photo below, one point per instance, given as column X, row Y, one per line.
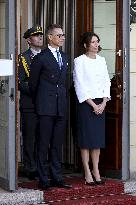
column 94, row 45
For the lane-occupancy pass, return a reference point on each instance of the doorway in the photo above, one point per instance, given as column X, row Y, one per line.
column 108, row 17
column 104, row 17
column 113, row 28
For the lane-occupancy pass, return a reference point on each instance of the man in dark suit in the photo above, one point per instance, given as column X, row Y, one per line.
column 34, row 37
column 48, row 87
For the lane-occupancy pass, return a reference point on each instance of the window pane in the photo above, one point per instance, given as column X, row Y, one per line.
column 105, row 27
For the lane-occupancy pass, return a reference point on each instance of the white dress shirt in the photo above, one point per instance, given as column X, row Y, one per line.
column 35, row 52
column 53, row 50
column 91, row 79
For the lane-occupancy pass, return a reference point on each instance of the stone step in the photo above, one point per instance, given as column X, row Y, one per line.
column 21, row 197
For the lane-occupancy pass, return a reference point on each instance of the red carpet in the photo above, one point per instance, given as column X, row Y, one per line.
column 111, row 193
column 102, row 200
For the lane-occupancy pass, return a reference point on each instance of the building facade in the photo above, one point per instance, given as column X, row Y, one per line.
column 111, row 20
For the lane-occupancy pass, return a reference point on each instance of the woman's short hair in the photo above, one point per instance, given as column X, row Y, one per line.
column 87, row 37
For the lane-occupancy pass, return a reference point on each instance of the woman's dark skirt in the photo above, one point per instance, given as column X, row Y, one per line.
column 91, row 127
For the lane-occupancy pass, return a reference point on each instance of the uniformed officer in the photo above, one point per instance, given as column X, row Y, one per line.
column 34, row 37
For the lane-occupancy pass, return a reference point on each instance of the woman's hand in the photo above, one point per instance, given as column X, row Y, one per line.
column 98, row 109
column 95, row 107
column 101, row 107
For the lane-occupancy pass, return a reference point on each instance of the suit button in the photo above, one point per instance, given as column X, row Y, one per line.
column 57, row 86
column 52, row 76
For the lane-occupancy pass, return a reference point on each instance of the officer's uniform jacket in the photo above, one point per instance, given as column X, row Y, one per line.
column 24, row 62
column 48, row 84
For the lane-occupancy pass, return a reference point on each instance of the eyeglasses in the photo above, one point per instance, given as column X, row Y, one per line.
column 59, row 35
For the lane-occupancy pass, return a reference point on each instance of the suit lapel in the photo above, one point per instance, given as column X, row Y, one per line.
column 50, row 57
column 52, row 60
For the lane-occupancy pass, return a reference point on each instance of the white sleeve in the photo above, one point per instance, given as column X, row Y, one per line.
column 107, row 82
column 79, row 81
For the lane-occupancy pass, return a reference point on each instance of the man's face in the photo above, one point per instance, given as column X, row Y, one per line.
column 56, row 38
column 36, row 41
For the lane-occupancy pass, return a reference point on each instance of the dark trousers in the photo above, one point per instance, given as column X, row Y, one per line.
column 50, row 139
column 29, row 126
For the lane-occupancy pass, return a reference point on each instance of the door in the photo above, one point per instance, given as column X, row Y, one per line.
column 104, row 17
column 107, row 19
column 108, row 22
column 126, row 91
column 7, row 96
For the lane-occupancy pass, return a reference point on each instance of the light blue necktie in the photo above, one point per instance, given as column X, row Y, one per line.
column 59, row 59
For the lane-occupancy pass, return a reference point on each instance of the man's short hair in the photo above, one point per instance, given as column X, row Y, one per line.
column 51, row 27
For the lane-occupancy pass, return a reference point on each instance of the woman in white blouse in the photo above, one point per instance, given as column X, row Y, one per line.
column 92, row 86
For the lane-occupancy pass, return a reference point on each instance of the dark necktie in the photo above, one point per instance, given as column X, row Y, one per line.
column 59, row 59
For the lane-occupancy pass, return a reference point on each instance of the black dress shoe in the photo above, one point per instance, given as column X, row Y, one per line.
column 44, row 186
column 61, row 184
column 100, row 182
column 32, row 175
column 90, row 183
column 97, row 182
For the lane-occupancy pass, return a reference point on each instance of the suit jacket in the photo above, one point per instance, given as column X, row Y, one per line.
column 24, row 62
column 48, row 84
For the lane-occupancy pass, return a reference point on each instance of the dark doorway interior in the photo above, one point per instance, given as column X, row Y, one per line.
column 77, row 17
